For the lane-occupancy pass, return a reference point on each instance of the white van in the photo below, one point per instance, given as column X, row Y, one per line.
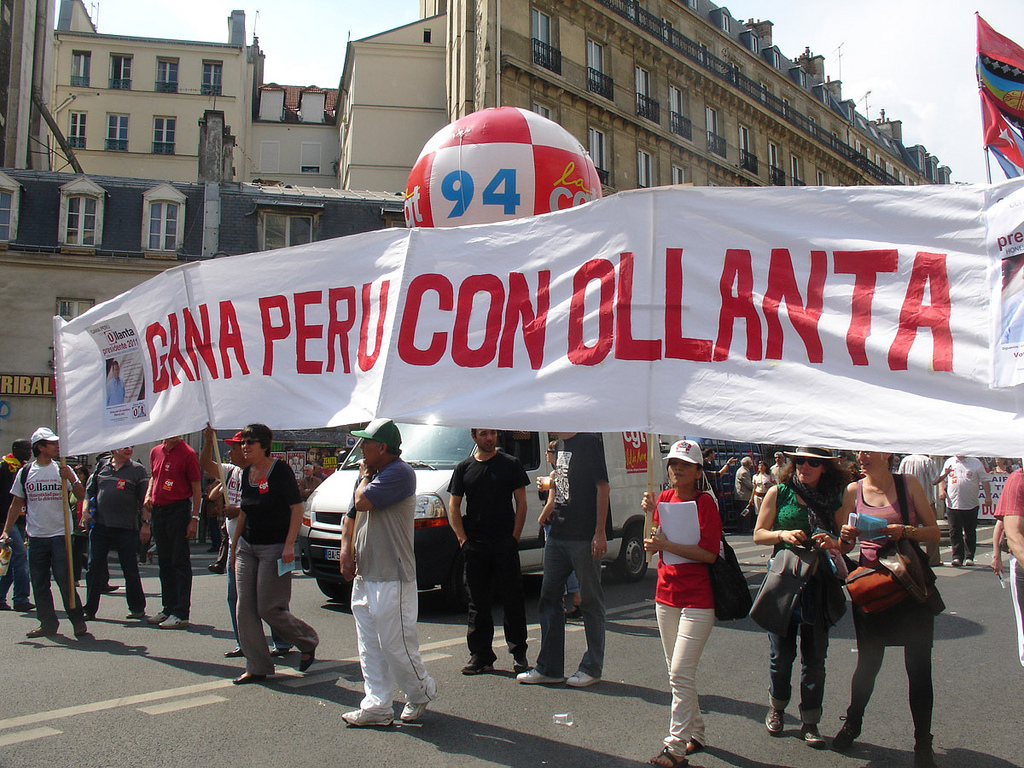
column 433, row 452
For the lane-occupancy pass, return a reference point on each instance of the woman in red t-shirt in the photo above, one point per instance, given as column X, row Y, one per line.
column 684, row 600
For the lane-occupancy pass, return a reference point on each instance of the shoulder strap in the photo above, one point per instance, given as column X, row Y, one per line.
column 901, row 497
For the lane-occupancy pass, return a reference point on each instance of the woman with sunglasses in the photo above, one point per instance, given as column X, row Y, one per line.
column 271, row 513
column 799, row 510
column 908, row 623
column 684, row 602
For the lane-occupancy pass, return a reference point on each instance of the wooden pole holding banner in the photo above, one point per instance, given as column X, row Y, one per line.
column 72, row 594
column 653, row 465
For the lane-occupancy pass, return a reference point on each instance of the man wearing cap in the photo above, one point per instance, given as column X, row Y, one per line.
column 118, row 487
column 377, row 552
column 174, row 496
column 17, row 572
column 491, row 481
column 577, row 541
column 38, row 490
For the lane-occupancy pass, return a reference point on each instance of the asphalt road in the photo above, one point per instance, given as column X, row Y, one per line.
column 134, row 695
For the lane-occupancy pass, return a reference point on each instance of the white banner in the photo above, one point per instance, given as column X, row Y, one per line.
column 837, row 316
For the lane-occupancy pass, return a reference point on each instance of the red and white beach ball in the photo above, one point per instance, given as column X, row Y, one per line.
column 498, row 164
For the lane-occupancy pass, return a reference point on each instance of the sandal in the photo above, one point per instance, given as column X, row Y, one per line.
column 667, row 759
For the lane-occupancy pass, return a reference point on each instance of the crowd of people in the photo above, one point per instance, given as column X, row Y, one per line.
column 810, row 498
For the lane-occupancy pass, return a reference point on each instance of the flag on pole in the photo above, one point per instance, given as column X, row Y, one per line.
column 1004, row 142
column 1001, row 71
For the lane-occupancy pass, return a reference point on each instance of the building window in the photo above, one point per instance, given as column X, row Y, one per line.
column 776, row 176
column 426, row 35
column 76, row 130
column 820, row 178
column 69, row 309
column 748, row 160
column 544, row 53
column 796, row 169
column 678, row 175
column 167, row 75
column 716, row 142
column 596, row 143
column 120, row 72
column 310, row 162
column 81, row 213
column 81, row 63
column 163, row 135
column 10, row 192
column 643, row 169
column 163, row 218
column 679, row 124
column 212, row 76
column 280, row 230
column 597, row 81
column 541, row 110
column 645, row 106
column 117, row 133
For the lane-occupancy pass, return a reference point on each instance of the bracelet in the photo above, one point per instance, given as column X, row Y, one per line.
column 145, row 522
column 195, row 517
column 909, row 531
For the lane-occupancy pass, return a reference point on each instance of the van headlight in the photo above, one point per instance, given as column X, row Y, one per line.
column 430, row 511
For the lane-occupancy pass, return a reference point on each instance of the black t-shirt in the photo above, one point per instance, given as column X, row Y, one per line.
column 267, row 505
column 579, row 468
column 487, row 487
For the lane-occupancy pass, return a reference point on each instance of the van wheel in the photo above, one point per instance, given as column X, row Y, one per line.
column 338, row 592
column 455, row 591
column 631, row 564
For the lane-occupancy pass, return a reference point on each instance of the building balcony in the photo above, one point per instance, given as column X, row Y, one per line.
column 680, row 125
column 120, row 83
column 748, row 161
column 603, row 175
column 547, row 56
column 798, row 182
column 648, row 108
column 81, row 81
column 162, row 147
column 76, row 142
column 716, row 144
column 210, row 89
column 600, row 83
column 776, row 177
column 117, row 145
column 166, row 86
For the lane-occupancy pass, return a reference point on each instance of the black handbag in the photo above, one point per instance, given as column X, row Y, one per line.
column 780, row 592
column 732, row 595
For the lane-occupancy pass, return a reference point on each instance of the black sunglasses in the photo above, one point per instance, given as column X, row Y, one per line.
column 801, row 460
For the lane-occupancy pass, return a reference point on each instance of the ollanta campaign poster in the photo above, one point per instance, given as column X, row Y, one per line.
column 838, row 316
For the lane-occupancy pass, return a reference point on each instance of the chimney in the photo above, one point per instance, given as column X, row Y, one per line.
column 892, row 127
column 835, row 87
column 763, row 29
column 216, row 148
column 814, row 65
column 236, row 29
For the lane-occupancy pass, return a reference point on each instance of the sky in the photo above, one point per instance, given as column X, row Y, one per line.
column 913, row 58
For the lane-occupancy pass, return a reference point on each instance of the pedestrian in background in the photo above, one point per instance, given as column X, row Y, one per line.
column 17, row 571
column 963, row 479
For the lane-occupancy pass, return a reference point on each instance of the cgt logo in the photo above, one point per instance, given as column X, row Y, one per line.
column 569, row 192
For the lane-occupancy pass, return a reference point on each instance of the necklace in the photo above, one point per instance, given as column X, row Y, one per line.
column 874, row 488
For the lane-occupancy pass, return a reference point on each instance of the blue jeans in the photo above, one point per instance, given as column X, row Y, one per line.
column 813, row 650
column 169, row 523
column 560, row 559
column 17, row 571
column 48, row 556
column 126, row 542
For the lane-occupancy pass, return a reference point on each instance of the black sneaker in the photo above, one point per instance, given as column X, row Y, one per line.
column 520, row 664
column 24, row 606
column 773, row 721
column 811, row 737
column 846, row 736
column 476, row 667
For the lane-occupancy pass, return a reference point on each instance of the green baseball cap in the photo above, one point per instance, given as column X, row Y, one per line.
column 383, row 431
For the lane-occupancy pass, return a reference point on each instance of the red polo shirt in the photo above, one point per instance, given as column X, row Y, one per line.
column 174, row 471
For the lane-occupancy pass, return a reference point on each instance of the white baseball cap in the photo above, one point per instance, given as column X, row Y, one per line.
column 686, row 450
column 43, row 434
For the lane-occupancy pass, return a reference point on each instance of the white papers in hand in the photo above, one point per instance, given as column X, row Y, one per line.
column 680, row 524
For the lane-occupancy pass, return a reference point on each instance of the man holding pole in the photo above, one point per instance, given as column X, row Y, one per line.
column 38, row 490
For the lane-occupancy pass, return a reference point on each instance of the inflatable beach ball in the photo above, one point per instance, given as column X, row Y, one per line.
column 498, row 164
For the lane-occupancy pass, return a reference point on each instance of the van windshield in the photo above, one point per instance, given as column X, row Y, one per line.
column 430, row 447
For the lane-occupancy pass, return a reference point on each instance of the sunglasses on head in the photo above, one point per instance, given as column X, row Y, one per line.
column 801, row 460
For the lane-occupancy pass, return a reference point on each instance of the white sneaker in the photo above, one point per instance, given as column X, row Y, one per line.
column 581, row 680
column 160, row 618
column 173, row 622
column 533, row 677
column 413, row 712
column 361, row 718
column 969, row 562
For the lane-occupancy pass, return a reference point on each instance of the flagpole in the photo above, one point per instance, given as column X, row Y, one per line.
column 988, row 166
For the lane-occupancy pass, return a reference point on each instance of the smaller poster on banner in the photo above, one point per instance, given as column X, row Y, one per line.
column 1006, row 240
column 124, row 370
column 634, row 445
column 296, row 460
column 279, row 455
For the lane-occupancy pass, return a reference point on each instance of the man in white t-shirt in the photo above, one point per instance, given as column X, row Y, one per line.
column 38, row 491
column 963, row 477
column 925, row 469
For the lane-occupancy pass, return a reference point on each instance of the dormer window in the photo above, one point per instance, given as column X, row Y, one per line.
column 10, row 196
column 81, row 214
column 163, row 219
